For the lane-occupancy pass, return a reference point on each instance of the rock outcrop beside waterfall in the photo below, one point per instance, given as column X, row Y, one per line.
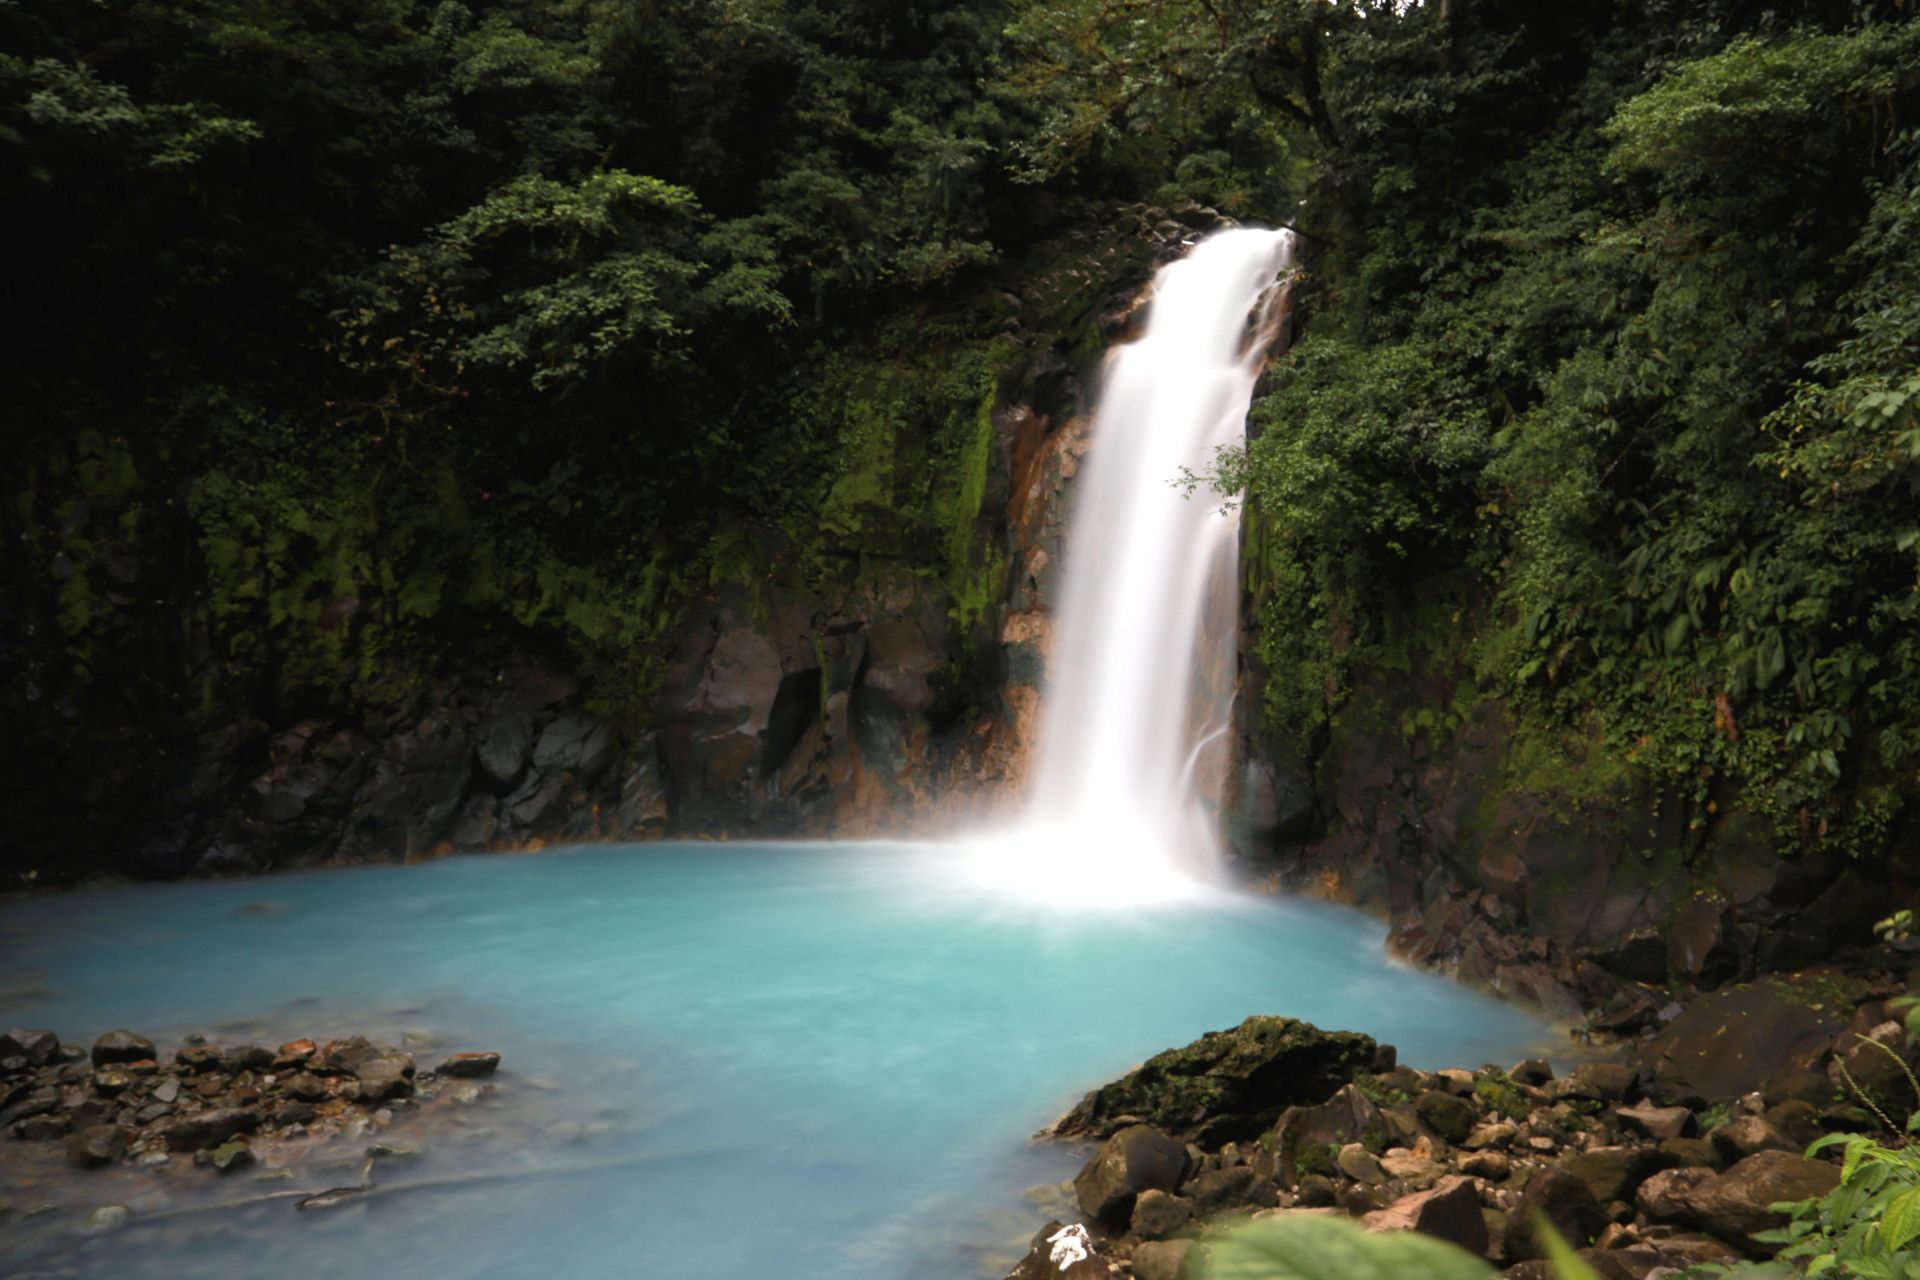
column 1635, row 1166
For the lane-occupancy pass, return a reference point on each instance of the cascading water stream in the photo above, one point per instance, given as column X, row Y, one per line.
column 1133, row 746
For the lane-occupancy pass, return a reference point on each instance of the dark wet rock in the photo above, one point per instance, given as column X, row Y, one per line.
column 1450, row 1212
column 467, row 1066
column 385, row 1077
column 1162, row 1260
column 1136, row 1159
column 575, row 742
column 1735, row 1204
column 209, row 1128
column 293, row 1111
column 306, row 1086
column 1565, row 1202
column 1595, row 1082
column 1876, row 1061
column 343, row 1057
column 1534, row 1071
column 1228, row 1085
column 1731, row 1042
column 1798, row 1120
column 42, row 1128
column 34, row 1102
column 198, row 1058
column 1449, row 1116
column 96, row 1145
column 121, row 1046
column 1158, row 1214
column 1217, row 1190
column 505, row 743
column 34, row 1048
column 1691, row 1153
column 1614, row 1173
column 247, row 1057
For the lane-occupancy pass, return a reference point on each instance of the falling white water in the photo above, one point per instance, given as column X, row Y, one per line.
column 1135, row 734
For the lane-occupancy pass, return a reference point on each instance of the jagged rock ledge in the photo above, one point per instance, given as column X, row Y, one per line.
column 1667, row 1158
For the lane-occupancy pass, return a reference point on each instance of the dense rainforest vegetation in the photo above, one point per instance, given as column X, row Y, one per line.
column 356, row 338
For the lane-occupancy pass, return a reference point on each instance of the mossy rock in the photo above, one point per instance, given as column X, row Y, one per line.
column 1227, row 1086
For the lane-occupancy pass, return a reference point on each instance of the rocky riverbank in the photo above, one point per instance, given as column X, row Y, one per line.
column 1665, row 1154
column 100, row 1136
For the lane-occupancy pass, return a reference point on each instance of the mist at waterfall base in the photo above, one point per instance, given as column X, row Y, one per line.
column 1135, row 733
column 811, row 1061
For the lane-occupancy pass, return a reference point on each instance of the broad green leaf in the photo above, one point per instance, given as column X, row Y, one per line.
column 1320, row 1248
column 1901, row 1221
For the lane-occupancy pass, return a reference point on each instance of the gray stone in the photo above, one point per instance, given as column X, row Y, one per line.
column 1138, row 1158
column 466, row 1066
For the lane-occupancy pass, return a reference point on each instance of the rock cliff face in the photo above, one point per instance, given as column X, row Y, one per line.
column 855, row 708
column 1538, row 867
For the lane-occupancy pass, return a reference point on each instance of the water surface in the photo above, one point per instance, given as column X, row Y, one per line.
column 809, row 1061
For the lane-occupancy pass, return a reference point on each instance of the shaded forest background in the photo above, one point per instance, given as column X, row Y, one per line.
column 357, row 339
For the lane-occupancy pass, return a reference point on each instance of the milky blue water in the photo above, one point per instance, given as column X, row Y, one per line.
column 804, row 1061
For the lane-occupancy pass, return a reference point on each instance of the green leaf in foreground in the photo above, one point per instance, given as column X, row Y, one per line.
column 1317, row 1248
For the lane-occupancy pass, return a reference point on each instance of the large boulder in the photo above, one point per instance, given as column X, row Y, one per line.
column 1736, row 1205
column 1731, row 1042
column 1228, row 1085
column 1138, row 1158
column 1062, row 1253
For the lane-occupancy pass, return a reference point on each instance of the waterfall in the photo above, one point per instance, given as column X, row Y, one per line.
column 1135, row 735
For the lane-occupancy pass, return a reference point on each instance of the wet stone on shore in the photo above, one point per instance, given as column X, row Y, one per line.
column 123, row 1100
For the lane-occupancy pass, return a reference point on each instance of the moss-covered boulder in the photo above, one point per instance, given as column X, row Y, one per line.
column 1227, row 1085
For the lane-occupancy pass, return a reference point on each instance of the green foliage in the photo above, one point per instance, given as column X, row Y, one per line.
column 1632, row 368
column 1333, row 1249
